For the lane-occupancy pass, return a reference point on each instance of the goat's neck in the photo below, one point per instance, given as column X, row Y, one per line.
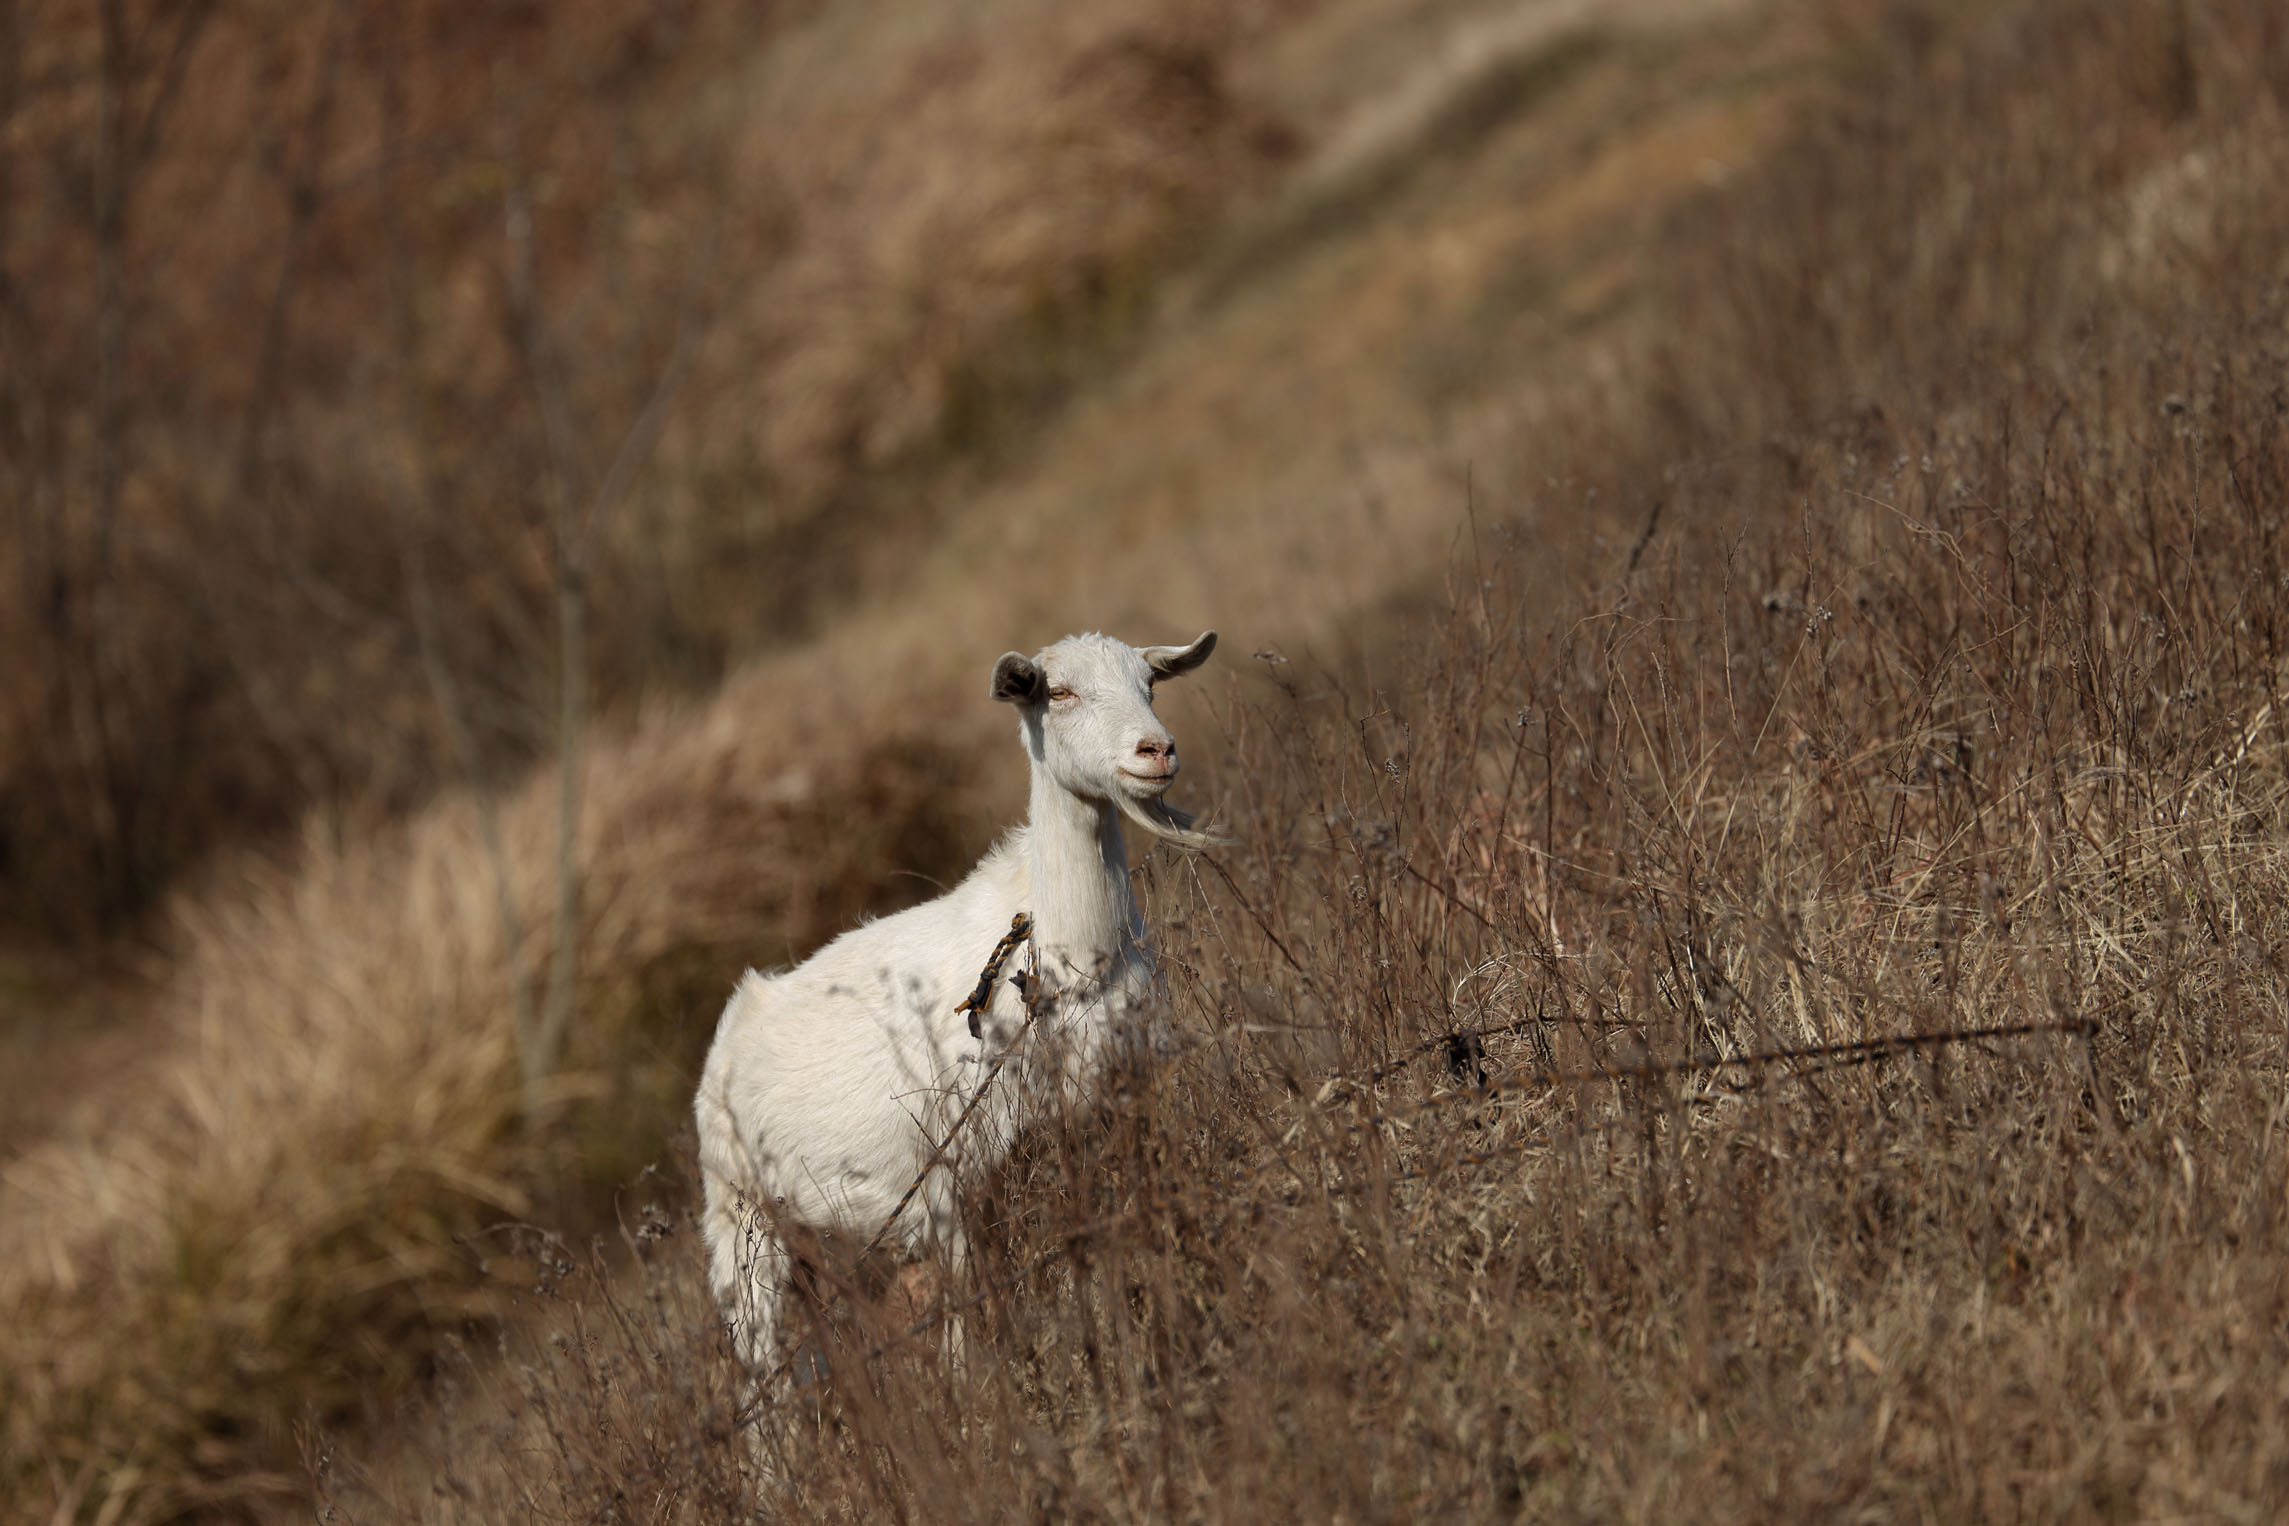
column 1084, row 912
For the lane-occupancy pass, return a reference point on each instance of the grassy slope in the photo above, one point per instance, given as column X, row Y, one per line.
column 323, row 1111
column 1943, row 696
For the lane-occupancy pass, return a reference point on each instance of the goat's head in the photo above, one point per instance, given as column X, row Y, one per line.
column 1086, row 712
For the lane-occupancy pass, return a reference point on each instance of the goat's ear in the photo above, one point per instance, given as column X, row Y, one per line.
column 1175, row 661
column 1018, row 680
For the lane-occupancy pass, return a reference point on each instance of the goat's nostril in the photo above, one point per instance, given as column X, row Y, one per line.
column 1148, row 748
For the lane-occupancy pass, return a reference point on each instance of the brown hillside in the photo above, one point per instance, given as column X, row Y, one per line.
column 1744, row 990
column 1789, row 1029
column 873, row 341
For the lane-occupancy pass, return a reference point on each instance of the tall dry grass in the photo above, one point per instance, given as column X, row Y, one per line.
column 1793, row 1030
column 327, row 1107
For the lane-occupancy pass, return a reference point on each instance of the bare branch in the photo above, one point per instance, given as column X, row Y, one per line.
column 303, row 202
column 636, row 448
column 528, row 331
column 195, row 18
column 421, row 493
column 573, row 537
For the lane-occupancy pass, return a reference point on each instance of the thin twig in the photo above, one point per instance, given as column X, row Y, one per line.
column 1821, row 1057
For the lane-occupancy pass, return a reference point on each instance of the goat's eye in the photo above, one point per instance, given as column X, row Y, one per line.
column 1059, row 691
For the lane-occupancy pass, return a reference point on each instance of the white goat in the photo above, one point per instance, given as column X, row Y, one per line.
column 830, row 1087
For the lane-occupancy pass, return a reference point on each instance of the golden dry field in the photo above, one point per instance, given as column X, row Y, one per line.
column 1748, row 536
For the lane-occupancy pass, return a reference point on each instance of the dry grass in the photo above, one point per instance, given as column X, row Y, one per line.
column 332, row 1105
column 1938, row 693
column 1946, row 701
column 276, row 1207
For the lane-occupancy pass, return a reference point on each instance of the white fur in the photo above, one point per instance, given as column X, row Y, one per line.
column 829, row 1086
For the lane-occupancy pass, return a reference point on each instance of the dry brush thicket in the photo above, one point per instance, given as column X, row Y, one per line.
column 380, row 300
column 1577, row 1119
column 1800, row 1030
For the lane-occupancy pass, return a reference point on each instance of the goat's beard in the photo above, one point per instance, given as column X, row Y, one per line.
column 1167, row 823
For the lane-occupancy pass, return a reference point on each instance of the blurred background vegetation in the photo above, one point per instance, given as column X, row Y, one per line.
column 340, row 337
column 508, row 507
